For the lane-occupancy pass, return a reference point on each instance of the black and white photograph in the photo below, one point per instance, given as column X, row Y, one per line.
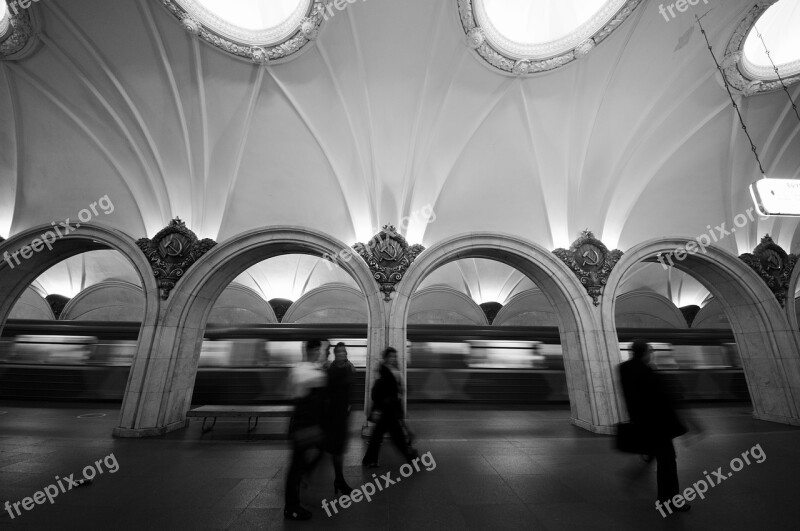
column 399, row 265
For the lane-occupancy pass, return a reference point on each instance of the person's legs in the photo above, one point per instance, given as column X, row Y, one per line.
column 294, row 477
column 399, row 438
column 338, row 467
column 667, row 471
column 375, row 441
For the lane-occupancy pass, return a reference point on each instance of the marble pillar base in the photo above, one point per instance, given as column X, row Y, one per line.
column 139, row 433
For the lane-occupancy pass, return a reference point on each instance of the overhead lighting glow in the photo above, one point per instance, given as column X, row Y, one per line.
column 778, row 26
column 254, row 22
column 776, row 197
column 543, row 28
column 4, row 19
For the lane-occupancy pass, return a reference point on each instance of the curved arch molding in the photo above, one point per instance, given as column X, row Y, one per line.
column 305, row 33
column 23, row 39
column 478, row 40
column 732, row 63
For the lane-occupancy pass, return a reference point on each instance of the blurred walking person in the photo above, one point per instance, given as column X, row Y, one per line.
column 340, row 378
column 307, row 382
column 387, row 411
column 653, row 418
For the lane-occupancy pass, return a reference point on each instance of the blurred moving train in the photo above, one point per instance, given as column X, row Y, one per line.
column 81, row 360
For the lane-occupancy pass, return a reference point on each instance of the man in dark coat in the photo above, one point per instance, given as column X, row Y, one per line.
column 387, row 410
column 652, row 413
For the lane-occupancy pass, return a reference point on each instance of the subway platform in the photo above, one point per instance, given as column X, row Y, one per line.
column 494, row 469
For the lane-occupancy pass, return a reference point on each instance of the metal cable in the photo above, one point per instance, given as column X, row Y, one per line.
column 777, row 73
column 733, row 101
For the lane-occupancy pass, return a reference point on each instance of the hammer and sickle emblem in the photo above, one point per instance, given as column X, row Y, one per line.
column 591, row 257
column 172, row 246
column 774, row 261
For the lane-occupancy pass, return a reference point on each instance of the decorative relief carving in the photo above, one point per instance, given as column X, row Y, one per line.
column 22, row 39
column 737, row 75
column 388, row 256
column 773, row 265
column 172, row 252
column 304, row 32
column 591, row 262
column 520, row 64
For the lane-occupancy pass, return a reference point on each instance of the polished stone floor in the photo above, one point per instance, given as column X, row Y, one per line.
column 494, row 469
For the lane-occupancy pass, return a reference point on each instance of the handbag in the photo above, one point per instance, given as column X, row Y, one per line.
column 631, row 438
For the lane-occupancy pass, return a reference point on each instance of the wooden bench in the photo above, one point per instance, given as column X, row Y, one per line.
column 250, row 412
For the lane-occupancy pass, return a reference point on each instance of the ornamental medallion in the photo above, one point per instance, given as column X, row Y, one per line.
column 591, row 262
column 388, row 256
column 171, row 252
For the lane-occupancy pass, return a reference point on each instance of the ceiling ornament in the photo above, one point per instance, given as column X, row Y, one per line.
column 388, row 256
column 23, row 38
column 525, row 60
column 172, row 252
column 591, row 261
column 773, row 265
column 732, row 63
column 300, row 35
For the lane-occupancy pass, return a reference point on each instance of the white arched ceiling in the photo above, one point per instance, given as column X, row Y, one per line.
column 480, row 279
column 387, row 115
column 291, row 276
column 680, row 288
column 73, row 275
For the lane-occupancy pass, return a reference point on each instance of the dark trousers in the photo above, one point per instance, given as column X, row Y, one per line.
column 295, row 477
column 391, row 424
column 667, row 471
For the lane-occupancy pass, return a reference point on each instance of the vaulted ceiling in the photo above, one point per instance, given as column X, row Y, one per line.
column 389, row 114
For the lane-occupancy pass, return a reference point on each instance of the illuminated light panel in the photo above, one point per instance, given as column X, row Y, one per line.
column 779, row 27
column 256, row 22
column 776, row 197
column 542, row 28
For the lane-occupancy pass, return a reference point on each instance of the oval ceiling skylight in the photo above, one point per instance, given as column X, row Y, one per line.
column 529, row 36
column 4, row 20
column 254, row 22
column 264, row 31
column 779, row 26
column 543, row 28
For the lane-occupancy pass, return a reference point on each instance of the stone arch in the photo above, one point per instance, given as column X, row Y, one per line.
column 330, row 303
column 792, row 311
column 765, row 340
column 114, row 300
column 169, row 382
column 588, row 366
column 445, row 305
column 87, row 237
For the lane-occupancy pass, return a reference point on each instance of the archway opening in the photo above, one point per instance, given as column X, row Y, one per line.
column 589, row 379
column 248, row 351
column 95, row 350
column 759, row 329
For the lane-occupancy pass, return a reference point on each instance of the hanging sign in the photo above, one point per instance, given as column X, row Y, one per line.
column 776, row 197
